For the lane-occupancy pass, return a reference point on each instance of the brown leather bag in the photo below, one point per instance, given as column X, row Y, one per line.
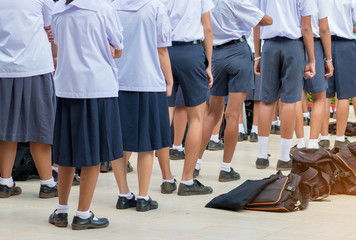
column 350, row 129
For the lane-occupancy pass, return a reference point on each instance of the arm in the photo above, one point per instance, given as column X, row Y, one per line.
column 265, row 21
column 208, row 44
column 257, row 43
column 326, row 41
column 307, row 33
column 354, row 28
column 117, row 53
column 166, row 68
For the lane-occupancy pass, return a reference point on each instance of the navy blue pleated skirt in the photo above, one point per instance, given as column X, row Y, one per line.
column 144, row 121
column 87, row 132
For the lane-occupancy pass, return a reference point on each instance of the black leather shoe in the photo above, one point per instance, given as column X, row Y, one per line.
column 196, row 189
column 278, row 130
column 124, row 203
column 6, row 191
column 306, row 121
column 215, row 146
column 48, row 192
column 129, row 167
column 228, row 176
column 253, row 137
column 168, row 188
column 262, row 163
column 58, row 220
column 242, row 137
column 196, row 173
column 81, row 224
column 144, row 206
column 105, row 167
column 273, row 129
column 284, row 166
column 174, row 154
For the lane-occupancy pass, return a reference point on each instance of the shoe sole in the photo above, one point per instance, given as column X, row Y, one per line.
column 59, row 224
column 3, row 195
column 145, row 209
column 215, row 149
column 48, row 195
column 194, row 193
column 176, row 158
column 283, row 169
column 253, row 140
column 228, row 180
column 88, row 226
column 261, row 167
column 168, row 191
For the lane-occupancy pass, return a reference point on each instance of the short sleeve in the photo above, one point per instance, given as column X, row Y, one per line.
column 206, row 6
column 308, row 8
column 164, row 30
column 324, row 8
column 248, row 12
column 353, row 9
column 47, row 11
column 114, row 29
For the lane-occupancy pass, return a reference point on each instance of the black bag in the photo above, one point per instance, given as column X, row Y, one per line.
column 286, row 194
column 24, row 166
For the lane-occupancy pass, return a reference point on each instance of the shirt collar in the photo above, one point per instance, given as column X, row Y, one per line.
column 61, row 6
column 129, row 5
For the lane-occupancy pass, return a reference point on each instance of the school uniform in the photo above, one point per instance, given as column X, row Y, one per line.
column 87, row 128
column 232, row 62
column 187, row 54
column 254, row 94
column 27, row 100
column 343, row 47
column 282, row 63
column 318, row 83
column 143, row 99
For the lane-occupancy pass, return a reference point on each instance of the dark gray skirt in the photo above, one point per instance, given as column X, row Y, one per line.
column 27, row 109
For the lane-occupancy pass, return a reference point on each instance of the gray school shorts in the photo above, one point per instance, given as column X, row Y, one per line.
column 318, row 83
column 255, row 94
column 232, row 68
column 344, row 59
column 282, row 70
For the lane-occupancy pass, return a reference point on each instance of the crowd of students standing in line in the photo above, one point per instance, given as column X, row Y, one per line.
column 126, row 67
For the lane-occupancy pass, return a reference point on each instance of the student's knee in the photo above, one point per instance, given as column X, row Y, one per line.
column 232, row 116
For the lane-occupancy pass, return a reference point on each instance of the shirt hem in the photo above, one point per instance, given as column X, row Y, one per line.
column 26, row 74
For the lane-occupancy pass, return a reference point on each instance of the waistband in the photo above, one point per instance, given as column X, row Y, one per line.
column 283, row 39
column 236, row 41
column 337, row 38
column 316, row 39
column 196, row 42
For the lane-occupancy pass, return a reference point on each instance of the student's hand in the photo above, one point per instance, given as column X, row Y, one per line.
column 210, row 77
column 169, row 87
column 112, row 49
column 309, row 70
column 329, row 69
column 257, row 67
column 49, row 34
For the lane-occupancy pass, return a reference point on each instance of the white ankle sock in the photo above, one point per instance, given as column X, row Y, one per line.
column 300, row 143
column 143, row 197
column 325, row 137
column 278, row 123
column 313, row 144
column 7, row 181
column 285, row 147
column 262, row 147
column 179, row 148
column 241, row 128
column 84, row 214
column 254, row 129
column 215, row 138
column 275, row 123
column 331, row 109
column 55, row 169
column 50, row 182
column 198, row 164
column 62, row 209
column 306, row 115
column 128, row 196
column 170, row 181
column 340, row 138
column 189, row 182
column 225, row 167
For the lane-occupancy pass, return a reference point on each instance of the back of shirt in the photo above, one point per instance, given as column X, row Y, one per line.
column 286, row 15
column 146, row 28
column 24, row 47
column 185, row 17
column 324, row 10
column 342, row 17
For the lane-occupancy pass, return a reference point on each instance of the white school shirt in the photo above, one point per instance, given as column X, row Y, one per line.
column 185, row 17
column 286, row 15
column 341, row 18
column 83, row 31
column 323, row 12
column 232, row 19
column 146, row 28
column 24, row 47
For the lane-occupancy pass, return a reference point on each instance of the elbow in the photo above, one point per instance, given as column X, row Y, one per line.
column 324, row 31
column 306, row 30
column 266, row 21
column 208, row 30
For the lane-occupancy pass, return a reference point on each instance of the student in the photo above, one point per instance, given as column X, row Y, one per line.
column 281, row 66
column 27, row 100
column 318, row 84
column 341, row 19
column 232, row 72
column 145, row 81
column 87, row 128
column 191, row 66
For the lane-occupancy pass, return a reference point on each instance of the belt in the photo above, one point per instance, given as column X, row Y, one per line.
column 236, row 41
column 284, row 39
column 317, row 39
column 196, row 42
column 337, row 38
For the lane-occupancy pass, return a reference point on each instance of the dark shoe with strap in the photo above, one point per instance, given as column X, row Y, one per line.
column 146, row 205
column 124, row 203
column 273, row 129
column 196, row 188
column 76, row 179
column 6, row 191
column 242, row 137
column 339, row 144
column 325, row 144
column 278, row 130
column 89, row 223
column 129, row 167
column 48, row 192
column 175, row 154
column 284, row 166
column 262, row 163
column 105, row 167
column 228, row 176
column 253, row 137
column 58, row 220
column 196, row 173
column 215, row 146
column 168, row 188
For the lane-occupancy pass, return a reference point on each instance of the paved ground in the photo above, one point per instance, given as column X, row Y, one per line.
column 25, row 216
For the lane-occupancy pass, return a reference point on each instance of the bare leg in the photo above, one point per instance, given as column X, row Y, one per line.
column 42, row 155
column 216, row 130
column 7, row 158
column 119, row 169
column 288, row 114
column 265, row 119
column 144, row 171
column 318, row 114
column 127, row 156
column 88, row 180
column 65, row 180
column 299, row 126
column 256, row 111
column 180, row 124
column 342, row 115
column 325, row 123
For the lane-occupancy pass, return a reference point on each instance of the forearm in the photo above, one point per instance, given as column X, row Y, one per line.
column 325, row 38
column 308, row 38
column 257, row 41
column 208, row 37
column 165, row 64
